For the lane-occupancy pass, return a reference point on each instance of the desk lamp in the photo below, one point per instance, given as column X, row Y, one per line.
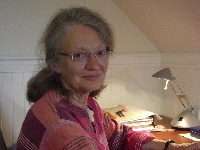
column 185, row 119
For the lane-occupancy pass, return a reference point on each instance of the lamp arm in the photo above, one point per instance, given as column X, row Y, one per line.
column 183, row 94
column 176, row 94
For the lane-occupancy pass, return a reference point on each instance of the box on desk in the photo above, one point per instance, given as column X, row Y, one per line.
column 195, row 131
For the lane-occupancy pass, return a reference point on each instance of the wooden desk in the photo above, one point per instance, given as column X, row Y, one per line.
column 173, row 135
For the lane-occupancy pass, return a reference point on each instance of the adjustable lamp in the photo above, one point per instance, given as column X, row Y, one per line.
column 186, row 118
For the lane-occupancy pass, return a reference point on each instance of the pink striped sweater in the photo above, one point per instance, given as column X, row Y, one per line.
column 53, row 123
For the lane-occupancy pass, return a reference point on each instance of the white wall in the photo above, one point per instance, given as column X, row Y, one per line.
column 129, row 81
column 22, row 23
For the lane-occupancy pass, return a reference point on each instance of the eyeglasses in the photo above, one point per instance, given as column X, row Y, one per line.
column 84, row 56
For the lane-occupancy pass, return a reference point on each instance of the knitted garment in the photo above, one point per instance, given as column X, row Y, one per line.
column 53, row 123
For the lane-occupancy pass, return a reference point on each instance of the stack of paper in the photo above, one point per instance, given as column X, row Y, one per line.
column 132, row 116
column 140, row 124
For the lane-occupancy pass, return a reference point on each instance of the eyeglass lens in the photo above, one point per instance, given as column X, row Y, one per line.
column 83, row 57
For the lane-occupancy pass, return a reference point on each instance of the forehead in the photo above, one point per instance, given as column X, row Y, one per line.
column 81, row 36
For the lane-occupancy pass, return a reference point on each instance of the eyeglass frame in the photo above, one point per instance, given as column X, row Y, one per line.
column 88, row 54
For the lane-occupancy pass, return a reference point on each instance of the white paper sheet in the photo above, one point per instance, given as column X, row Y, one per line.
column 187, row 135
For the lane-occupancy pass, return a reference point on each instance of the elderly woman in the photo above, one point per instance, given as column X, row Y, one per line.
column 65, row 114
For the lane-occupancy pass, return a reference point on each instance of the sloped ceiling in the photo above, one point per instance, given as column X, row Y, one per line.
column 171, row 25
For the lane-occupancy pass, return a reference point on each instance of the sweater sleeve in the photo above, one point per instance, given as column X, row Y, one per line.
column 123, row 137
column 135, row 139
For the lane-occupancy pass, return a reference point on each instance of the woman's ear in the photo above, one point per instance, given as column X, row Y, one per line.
column 56, row 68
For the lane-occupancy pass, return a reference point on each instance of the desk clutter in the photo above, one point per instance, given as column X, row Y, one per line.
column 130, row 115
column 195, row 132
column 189, row 136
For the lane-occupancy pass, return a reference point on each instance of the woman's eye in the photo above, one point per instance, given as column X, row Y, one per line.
column 81, row 54
column 101, row 52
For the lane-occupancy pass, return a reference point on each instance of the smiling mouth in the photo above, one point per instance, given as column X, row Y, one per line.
column 91, row 77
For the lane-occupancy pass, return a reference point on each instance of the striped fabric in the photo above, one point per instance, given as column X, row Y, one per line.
column 53, row 123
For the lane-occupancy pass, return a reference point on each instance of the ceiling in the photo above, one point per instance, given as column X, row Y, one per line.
column 171, row 25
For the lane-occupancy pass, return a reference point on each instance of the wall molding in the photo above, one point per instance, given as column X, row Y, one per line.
column 145, row 59
column 21, row 64
column 18, row 64
column 181, row 59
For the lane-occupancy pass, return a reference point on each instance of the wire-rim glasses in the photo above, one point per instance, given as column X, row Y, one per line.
column 84, row 56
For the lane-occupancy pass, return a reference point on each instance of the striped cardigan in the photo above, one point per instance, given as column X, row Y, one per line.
column 53, row 123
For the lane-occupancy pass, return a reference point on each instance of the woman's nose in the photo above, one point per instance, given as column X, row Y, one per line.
column 92, row 62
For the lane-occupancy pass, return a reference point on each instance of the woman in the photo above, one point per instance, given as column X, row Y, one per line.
column 65, row 115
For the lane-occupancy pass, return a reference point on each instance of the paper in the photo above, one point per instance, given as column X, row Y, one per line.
column 129, row 112
column 187, row 135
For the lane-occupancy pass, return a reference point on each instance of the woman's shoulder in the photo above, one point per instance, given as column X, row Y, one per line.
column 44, row 109
column 47, row 100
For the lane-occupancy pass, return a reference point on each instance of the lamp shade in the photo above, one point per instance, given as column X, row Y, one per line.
column 164, row 74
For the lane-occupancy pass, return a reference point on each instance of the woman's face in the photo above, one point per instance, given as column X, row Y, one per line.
column 86, row 76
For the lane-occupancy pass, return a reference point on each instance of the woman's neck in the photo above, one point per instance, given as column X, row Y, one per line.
column 79, row 100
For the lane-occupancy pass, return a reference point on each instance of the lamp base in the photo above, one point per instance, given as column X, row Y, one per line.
column 182, row 129
column 185, row 120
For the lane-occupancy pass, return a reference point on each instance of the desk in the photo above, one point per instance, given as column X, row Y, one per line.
column 173, row 135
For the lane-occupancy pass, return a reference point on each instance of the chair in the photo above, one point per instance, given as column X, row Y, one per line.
column 2, row 142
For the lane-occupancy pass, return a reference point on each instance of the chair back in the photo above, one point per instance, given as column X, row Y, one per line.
column 2, row 142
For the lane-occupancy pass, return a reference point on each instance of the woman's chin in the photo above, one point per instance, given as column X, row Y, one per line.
column 88, row 90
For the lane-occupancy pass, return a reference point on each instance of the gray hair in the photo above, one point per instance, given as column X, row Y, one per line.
column 64, row 21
